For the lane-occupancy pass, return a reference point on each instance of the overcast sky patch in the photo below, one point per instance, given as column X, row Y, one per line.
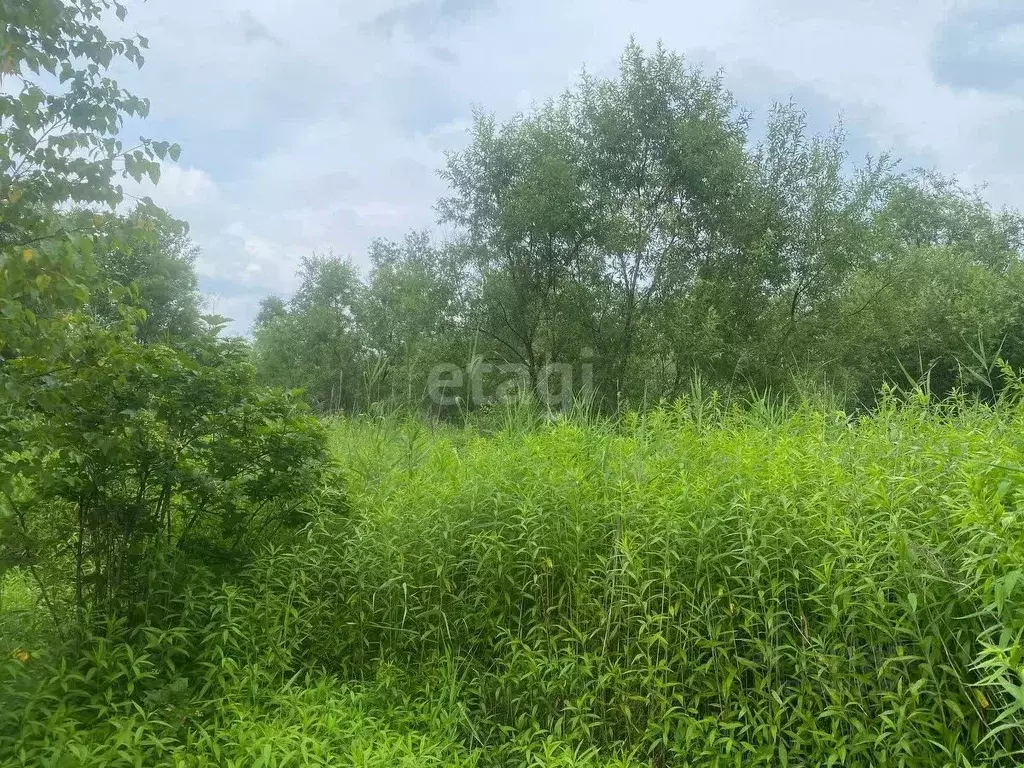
column 317, row 125
column 982, row 48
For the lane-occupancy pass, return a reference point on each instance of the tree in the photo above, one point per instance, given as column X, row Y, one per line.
column 60, row 115
column 814, row 224
column 943, row 288
column 57, row 146
column 413, row 311
column 140, row 450
column 663, row 147
column 114, row 451
column 315, row 341
column 517, row 194
column 150, row 253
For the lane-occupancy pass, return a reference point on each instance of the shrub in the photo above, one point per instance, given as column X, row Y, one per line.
column 113, row 452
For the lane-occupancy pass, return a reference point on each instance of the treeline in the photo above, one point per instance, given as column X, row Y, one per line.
column 643, row 229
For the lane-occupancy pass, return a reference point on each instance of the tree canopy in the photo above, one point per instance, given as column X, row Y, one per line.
column 637, row 224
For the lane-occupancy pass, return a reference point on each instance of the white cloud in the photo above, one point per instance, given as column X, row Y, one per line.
column 380, row 213
column 1010, row 42
column 180, row 187
column 314, row 125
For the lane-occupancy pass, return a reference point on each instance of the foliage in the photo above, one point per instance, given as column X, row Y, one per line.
column 410, row 313
column 119, row 450
column 60, row 114
column 710, row 583
column 150, row 252
column 350, row 344
column 639, row 226
column 314, row 340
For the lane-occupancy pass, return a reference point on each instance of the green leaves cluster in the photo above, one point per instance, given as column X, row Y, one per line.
column 129, row 431
column 61, row 114
column 151, row 253
column 115, row 451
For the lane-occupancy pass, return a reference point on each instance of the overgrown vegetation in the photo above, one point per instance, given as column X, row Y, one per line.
column 702, row 585
column 196, row 571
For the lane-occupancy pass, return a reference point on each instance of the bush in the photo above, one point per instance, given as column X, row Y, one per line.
column 114, row 452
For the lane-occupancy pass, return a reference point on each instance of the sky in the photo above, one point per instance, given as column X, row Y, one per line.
column 318, row 125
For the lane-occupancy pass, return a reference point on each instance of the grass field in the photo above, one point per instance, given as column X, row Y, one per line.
column 700, row 585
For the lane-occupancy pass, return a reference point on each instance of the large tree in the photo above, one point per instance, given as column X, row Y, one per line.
column 664, row 165
column 518, row 195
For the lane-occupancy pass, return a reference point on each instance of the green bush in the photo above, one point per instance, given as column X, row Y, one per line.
column 114, row 451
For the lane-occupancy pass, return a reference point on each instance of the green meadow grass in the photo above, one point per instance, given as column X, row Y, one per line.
column 700, row 585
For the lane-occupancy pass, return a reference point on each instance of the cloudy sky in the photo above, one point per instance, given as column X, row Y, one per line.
column 315, row 125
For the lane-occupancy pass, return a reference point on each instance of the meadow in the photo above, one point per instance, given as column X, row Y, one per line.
column 703, row 584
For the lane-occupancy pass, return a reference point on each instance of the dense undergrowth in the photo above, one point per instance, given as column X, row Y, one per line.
column 700, row 585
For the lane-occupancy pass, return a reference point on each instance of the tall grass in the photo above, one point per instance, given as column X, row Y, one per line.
column 700, row 583
column 778, row 584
